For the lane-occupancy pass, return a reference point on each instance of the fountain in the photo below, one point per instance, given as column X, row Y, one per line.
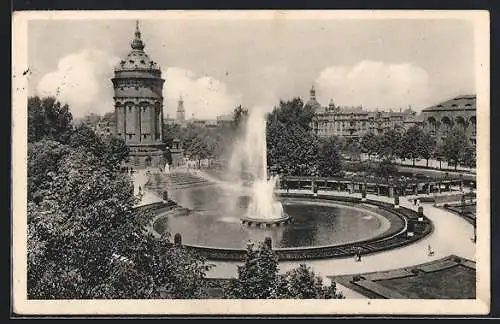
column 246, row 195
column 250, row 157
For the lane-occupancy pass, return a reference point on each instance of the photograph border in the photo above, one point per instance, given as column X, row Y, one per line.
column 20, row 64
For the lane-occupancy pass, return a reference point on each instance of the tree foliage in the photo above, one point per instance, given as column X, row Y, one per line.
column 48, row 119
column 240, row 115
column 370, row 144
column 329, row 158
column 455, row 146
column 258, row 278
column 85, row 239
column 291, row 145
column 293, row 113
column 391, row 144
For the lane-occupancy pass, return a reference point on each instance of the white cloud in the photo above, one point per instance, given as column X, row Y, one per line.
column 83, row 81
column 204, row 96
column 374, row 84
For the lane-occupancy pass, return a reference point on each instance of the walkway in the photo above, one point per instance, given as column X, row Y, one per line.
column 140, row 178
column 452, row 235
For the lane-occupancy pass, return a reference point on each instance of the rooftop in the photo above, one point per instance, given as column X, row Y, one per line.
column 465, row 102
column 137, row 59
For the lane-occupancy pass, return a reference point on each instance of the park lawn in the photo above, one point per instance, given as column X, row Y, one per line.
column 458, row 282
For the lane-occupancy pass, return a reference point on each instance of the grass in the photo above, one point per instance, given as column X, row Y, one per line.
column 458, row 282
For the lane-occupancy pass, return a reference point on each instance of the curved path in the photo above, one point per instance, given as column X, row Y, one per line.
column 451, row 235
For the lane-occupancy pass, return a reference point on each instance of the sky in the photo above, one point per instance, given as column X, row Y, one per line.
column 218, row 64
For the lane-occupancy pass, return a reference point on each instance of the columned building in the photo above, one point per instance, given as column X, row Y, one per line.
column 457, row 112
column 138, row 88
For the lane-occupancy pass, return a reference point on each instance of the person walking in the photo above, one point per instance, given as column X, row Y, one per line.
column 429, row 250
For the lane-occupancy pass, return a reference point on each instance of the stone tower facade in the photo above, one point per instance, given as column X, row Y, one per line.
column 181, row 112
column 138, row 101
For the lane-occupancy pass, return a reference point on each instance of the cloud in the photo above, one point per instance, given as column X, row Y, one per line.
column 83, row 81
column 204, row 96
column 374, row 85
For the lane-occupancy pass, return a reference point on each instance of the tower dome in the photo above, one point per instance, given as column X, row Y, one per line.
column 137, row 60
column 313, row 103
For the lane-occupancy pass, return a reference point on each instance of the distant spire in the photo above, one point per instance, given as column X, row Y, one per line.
column 180, row 109
column 312, row 93
column 137, row 43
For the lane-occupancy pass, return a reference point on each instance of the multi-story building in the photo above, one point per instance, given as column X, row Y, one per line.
column 138, row 100
column 354, row 122
column 460, row 112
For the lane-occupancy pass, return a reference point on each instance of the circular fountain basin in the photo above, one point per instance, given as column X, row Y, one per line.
column 320, row 227
column 213, row 222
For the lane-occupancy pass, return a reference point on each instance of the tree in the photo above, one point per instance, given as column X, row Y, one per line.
column 413, row 141
column 292, row 149
column 302, row 283
column 116, row 152
column 48, row 119
column 170, row 133
column 258, row 278
column 386, row 168
column 329, row 158
column 86, row 241
column 427, row 148
column 455, row 146
column 370, row 144
column 43, row 158
column 352, row 148
column 439, row 152
column 112, row 150
column 290, row 144
column 293, row 113
column 391, row 144
column 469, row 158
column 83, row 136
column 240, row 114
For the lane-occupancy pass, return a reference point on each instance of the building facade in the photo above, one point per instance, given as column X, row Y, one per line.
column 138, row 88
column 459, row 112
column 354, row 122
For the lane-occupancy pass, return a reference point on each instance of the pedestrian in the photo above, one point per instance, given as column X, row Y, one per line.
column 430, row 251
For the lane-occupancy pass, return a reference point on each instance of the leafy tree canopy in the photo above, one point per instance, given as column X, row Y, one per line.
column 258, row 278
